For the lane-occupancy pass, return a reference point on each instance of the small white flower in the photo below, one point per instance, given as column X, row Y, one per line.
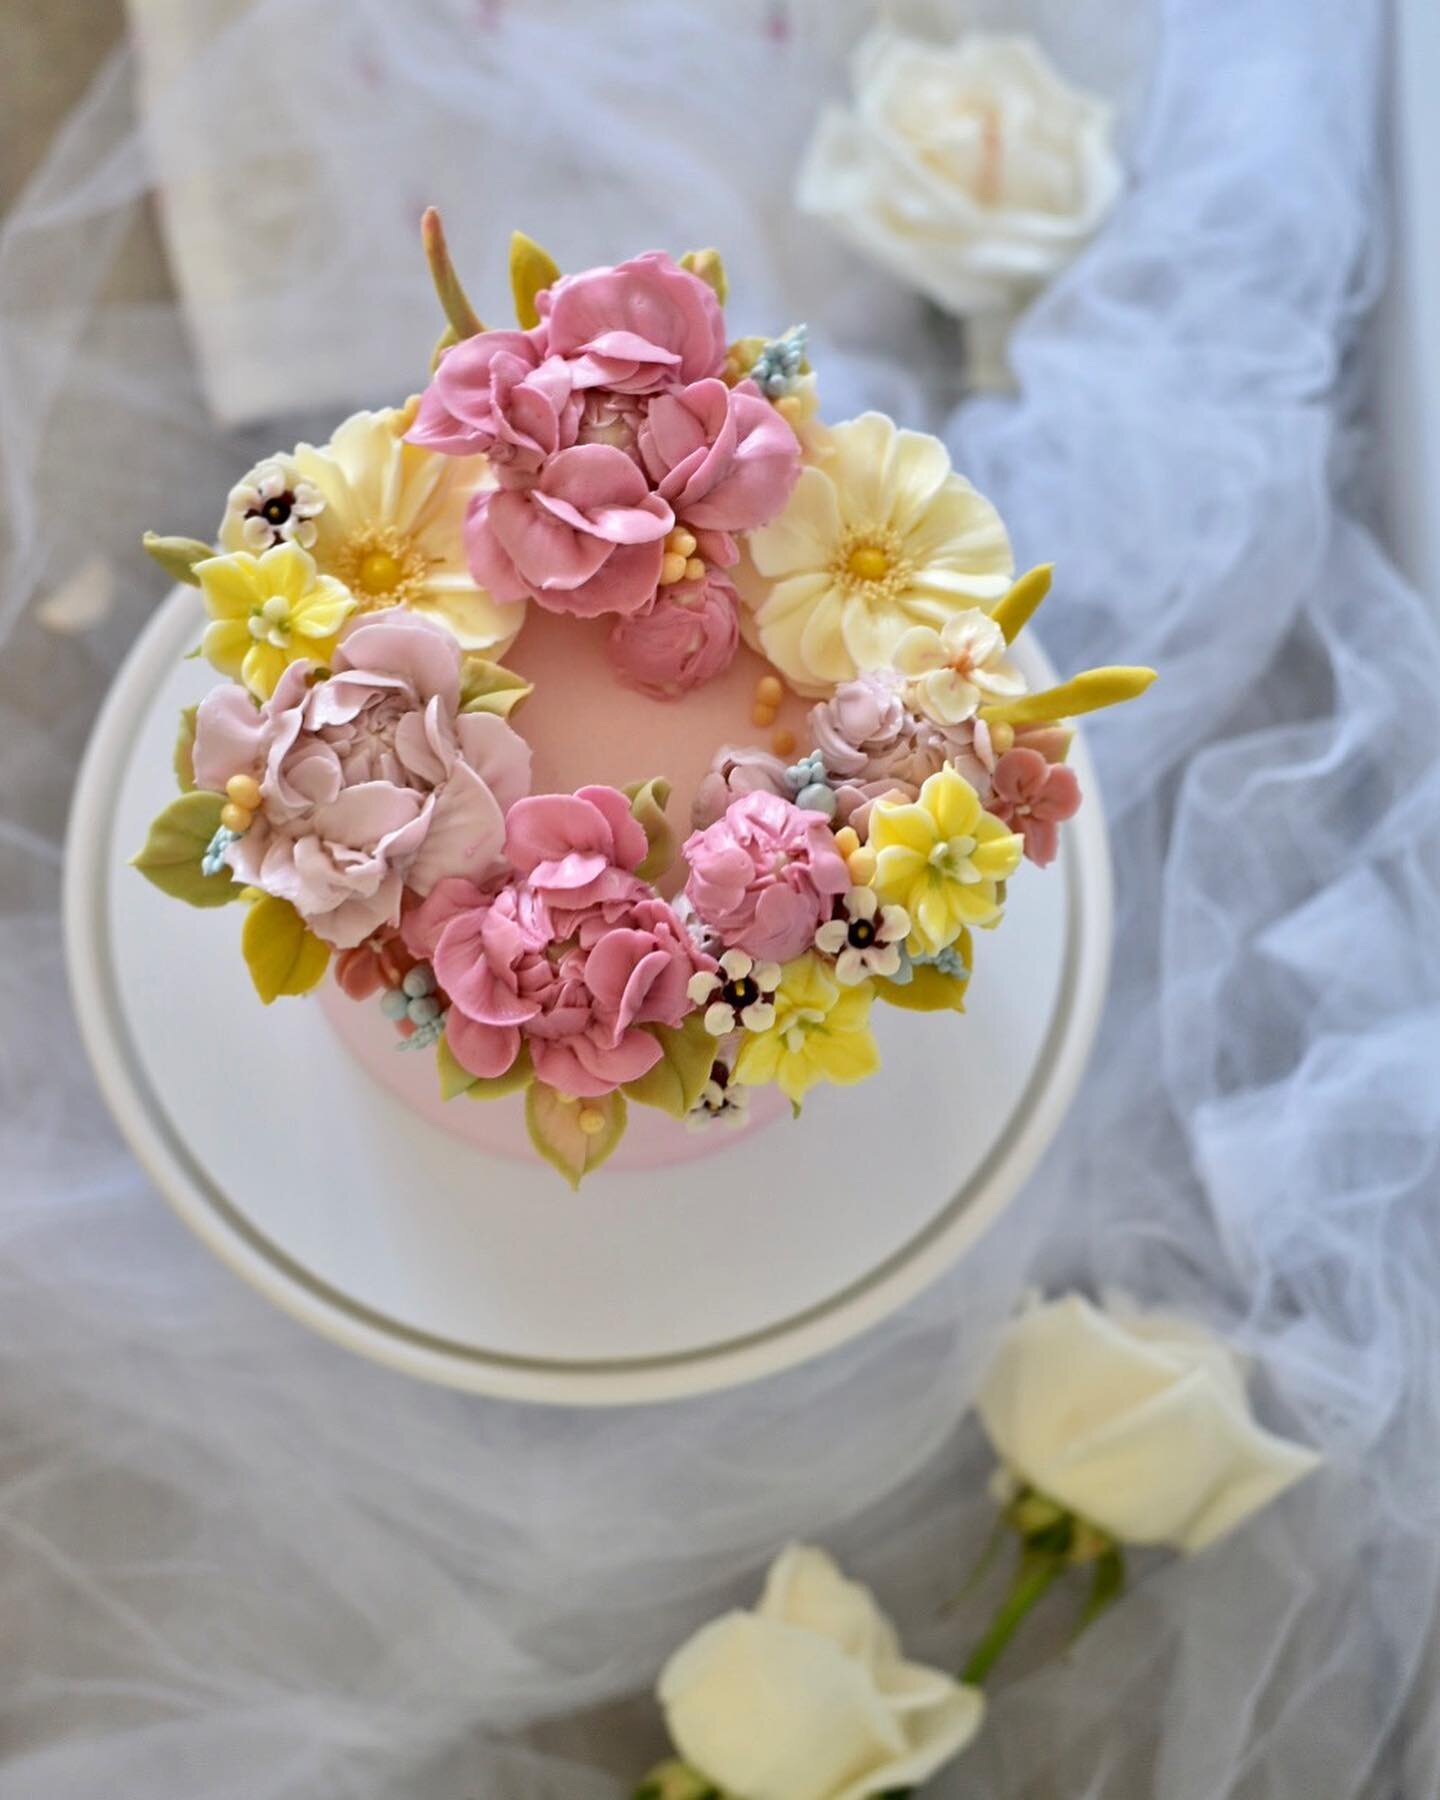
column 809, row 1697
column 957, row 669
column 739, row 997
column 1137, row 1423
column 721, row 1101
column 867, row 940
column 271, row 505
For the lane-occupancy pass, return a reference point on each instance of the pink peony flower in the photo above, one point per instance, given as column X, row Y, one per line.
column 765, row 875
column 499, row 394
column 587, row 537
column 735, row 771
column 370, row 781
column 1033, row 797
column 687, row 637
column 578, row 850
column 724, row 458
column 637, row 328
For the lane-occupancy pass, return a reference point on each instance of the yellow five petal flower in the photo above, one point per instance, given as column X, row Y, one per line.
column 267, row 611
column 821, row 1033
column 942, row 857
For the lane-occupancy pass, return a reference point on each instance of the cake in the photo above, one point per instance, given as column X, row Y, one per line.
column 602, row 731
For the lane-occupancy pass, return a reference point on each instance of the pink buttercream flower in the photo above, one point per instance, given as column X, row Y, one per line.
column 723, row 457
column 382, row 961
column 735, row 771
column 764, row 875
column 687, row 637
column 577, row 850
column 641, row 326
column 587, row 537
column 498, row 394
column 875, row 747
column 1034, row 797
column 371, row 782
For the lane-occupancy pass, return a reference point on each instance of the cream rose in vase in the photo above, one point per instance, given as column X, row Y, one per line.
column 973, row 172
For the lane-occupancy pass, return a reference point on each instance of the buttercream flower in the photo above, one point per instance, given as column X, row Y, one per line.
column 941, row 857
column 720, row 1100
column 271, row 505
column 808, row 1697
column 764, row 874
column 737, row 996
column 266, row 611
column 369, row 783
column 637, row 328
column 1034, row 797
column 587, row 537
column 821, row 1033
column 381, row 962
column 723, row 457
column 1138, row 1423
column 955, row 669
column 497, row 394
column 735, row 771
column 391, row 526
column 686, row 637
column 882, row 537
column 577, row 850
column 864, row 938
column 973, row 172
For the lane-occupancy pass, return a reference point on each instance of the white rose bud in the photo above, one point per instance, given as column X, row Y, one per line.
column 809, row 1698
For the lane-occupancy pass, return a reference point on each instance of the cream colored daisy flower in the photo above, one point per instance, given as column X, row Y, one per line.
column 389, row 524
column 882, row 537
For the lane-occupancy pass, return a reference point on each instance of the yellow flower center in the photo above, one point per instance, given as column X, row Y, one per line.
column 871, row 565
column 951, row 858
column 381, row 566
column 270, row 622
column 799, row 1025
column 868, row 562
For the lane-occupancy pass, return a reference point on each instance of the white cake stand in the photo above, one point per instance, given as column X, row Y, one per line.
column 415, row 1248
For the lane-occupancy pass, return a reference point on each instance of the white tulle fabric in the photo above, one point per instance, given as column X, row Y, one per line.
column 235, row 1562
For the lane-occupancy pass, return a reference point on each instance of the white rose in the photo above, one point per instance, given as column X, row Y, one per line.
column 1137, row 1422
column 973, row 172
column 808, row 1697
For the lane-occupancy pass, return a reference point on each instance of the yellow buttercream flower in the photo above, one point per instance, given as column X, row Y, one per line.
column 940, row 857
column 385, row 517
column 268, row 611
column 821, row 1033
column 878, row 537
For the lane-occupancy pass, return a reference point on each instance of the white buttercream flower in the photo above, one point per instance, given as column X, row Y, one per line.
column 1136, row 1422
column 809, row 1698
column 882, row 537
column 387, row 519
column 740, row 997
column 973, row 172
column 866, row 940
column 271, row 505
column 955, row 670
column 721, row 1100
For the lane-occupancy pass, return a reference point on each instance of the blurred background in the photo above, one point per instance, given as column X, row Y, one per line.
column 235, row 1562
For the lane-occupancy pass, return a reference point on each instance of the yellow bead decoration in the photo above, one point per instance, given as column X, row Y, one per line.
column 244, row 790
column 591, row 1121
column 769, row 690
column 783, row 742
column 236, row 818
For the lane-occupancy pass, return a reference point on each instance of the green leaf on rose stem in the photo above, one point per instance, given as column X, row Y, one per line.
column 648, row 800
column 687, row 1055
column 557, row 1133
column 710, row 267
column 1107, row 1584
column 490, row 687
column 183, row 759
column 283, row 955
column 177, row 556
column 456, row 1079
column 532, row 270
column 177, row 840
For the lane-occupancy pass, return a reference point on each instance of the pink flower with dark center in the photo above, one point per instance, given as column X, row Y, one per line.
column 1034, row 797
column 765, row 875
column 637, row 328
column 587, row 537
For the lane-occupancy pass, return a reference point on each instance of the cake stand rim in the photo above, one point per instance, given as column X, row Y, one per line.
column 309, row 1299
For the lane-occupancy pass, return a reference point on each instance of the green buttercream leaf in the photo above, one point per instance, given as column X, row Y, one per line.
column 183, row 760
column 456, row 1079
column 648, row 800
column 555, row 1129
column 177, row 556
column 532, row 270
column 687, row 1055
column 930, row 989
column 283, row 955
column 177, row 840
column 710, row 267
column 491, row 687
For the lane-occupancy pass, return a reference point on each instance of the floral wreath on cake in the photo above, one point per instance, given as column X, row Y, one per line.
column 360, row 785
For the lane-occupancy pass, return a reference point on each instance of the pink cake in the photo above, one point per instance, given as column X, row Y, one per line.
column 604, row 735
